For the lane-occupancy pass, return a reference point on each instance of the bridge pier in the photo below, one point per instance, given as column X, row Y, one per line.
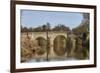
column 52, row 53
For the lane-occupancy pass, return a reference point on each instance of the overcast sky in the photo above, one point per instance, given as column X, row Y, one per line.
column 33, row 18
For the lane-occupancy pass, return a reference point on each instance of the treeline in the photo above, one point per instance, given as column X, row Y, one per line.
column 46, row 27
column 81, row 29
column 84, row 26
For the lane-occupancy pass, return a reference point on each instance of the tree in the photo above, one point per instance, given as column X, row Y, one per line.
column 30, row 29
column 44, row 27
column 61, row 27
column 24, row 29
column 84, row 26
column 37, row 28
column 48, row 26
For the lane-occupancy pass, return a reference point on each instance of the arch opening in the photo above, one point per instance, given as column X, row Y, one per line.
column 41, row 45
column 60, row 45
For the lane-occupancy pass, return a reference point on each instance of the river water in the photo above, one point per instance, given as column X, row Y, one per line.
column 49, row 60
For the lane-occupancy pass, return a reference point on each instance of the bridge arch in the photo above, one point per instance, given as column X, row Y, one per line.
column 41, row 42
column 59, row 45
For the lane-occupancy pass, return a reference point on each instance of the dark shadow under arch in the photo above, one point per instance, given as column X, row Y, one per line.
column 42, row 45
column 60, row 45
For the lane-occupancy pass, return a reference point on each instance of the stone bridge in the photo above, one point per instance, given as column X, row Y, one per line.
column 52, row 35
